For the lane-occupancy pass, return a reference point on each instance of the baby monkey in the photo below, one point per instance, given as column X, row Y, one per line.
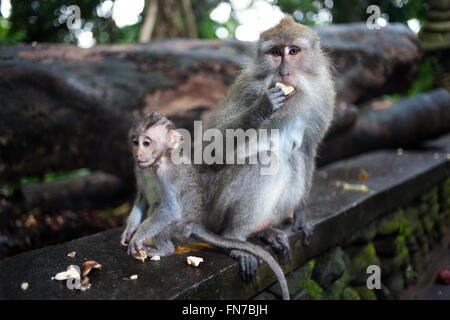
column 178, row 189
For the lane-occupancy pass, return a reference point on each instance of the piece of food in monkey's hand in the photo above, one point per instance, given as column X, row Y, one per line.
column 155, row 258
column 89, row 265
column 141, row 255
column 194, row 261
column 287, row 90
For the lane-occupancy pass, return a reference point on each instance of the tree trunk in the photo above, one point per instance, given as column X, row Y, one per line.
column 149, row 21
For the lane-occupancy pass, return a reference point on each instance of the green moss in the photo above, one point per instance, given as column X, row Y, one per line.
column 446, row 213
column 311, row 291
column 423, row 209
column 430, row 197
column 428, row 224
column 409, row 222
column 435, row 210
column 392, row 223
column 412, row 244
column 446, row 188
column 360, row 260
column 410, row 274
column 329, row 267
column 334, row 291
column 365, row 293
column 402, row 258
column 296, row 280
column 364, row 235
column 399, row 261
column 350, row 294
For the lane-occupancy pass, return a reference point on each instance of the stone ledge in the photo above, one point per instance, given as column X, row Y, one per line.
column 394, row 180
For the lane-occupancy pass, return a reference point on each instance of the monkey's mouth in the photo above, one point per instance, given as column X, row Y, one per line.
column 288, row 89
column 143, row 164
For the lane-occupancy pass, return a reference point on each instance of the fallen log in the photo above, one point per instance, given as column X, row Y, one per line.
column 64, row 108
column 93, row 191
column 404, row 124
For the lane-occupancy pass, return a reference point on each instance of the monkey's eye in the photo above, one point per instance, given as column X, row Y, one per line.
column 135, row 142
column 294, row 51
column 146, row 143
column 276, row 52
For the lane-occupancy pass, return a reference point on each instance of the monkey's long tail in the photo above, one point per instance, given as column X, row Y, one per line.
column 219, row 241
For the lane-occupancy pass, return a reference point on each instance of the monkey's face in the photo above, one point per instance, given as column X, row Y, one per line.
column 286, row 59
column 288, row 55
column 150, row 145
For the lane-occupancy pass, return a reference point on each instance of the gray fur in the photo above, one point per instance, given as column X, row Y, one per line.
column 239, row 201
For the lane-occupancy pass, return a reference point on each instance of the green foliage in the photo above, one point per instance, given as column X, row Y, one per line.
column 8, row 37
column 44, row 21
column 350, row 294
column 424, row 80
column 48, row 177
column 410, row 273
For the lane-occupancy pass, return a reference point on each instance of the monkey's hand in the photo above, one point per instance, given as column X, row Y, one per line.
column 276, row 98
column 127, row 235
column 136, row 244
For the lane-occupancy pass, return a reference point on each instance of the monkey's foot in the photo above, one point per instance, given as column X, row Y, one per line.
column 308, row 231
column 248, row 264
column 301, row 224
column 151, row 252
column 279, row 242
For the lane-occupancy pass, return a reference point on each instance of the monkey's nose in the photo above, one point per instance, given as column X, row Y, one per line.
column 284, row 70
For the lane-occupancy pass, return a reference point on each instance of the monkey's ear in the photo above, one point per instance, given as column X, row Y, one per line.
column 175, row 139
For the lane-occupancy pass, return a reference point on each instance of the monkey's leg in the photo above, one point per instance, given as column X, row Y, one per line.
column 300, row 223
column 248, row 264
column 278, row 240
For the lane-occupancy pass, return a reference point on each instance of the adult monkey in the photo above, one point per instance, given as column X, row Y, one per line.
column 240, row 202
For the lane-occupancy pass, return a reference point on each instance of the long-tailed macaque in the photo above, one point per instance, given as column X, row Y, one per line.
column 240, row 202
column 180, row 193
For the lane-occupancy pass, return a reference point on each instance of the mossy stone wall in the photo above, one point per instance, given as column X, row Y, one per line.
column 398, row 242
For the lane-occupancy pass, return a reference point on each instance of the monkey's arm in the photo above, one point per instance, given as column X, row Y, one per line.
column 252, row 116
column 135, row 217
column 169, row 211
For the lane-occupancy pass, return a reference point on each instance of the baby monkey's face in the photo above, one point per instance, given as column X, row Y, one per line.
column 149, row 145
